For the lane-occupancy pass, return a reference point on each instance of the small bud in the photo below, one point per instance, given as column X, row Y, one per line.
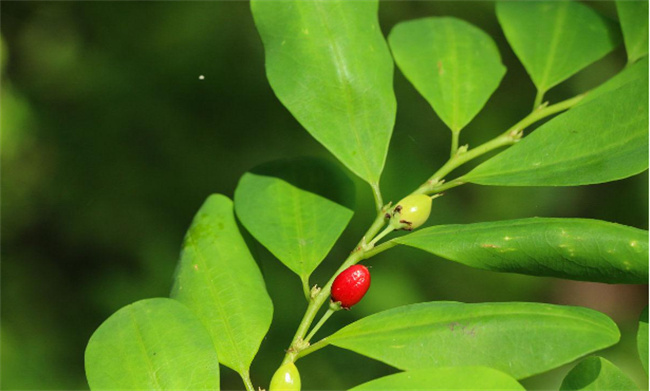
column 286, row 378
column 411, row 212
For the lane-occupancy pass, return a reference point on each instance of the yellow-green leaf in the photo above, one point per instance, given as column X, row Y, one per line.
column 453, row 64
column 153, row 344
column 218, row 279
column 555, row 39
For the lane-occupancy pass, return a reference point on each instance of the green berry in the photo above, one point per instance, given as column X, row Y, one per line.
column 286, row 378
column 411, row 212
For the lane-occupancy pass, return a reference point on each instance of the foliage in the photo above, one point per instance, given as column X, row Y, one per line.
column 329, row 64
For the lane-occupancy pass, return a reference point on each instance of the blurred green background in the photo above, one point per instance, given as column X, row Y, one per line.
column 111, row 142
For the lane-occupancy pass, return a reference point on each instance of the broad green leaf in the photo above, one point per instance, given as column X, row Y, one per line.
column 450, row 378
column 555, row 39
column 520, row 339
column 642, row 338
column 577, row 249
column 597, row 374
column 153, row 344
column 633, row 16
column 218, row 279
column 603, row 140
column 297, row 226
column 453, row 64
column 328, row 63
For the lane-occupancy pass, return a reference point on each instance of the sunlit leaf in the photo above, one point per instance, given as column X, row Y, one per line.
column 578, row 249
column 297, row 226
column 603, row 140
column 218, row 279
column 153, row 344
column 450, row 378
column 597, row 374
column 453, row 64
column 633, row 16
column 642, row 338
column 328, row 63
column 555, row 39
column 520, row 339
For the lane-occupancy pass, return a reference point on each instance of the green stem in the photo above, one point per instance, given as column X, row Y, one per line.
column 320, row 323
column 306, row 290
column 312, row 348
column 247, row 381
column 509, row 137
column 447, row 185
column 378, row 249
column 376, row 193
column 538, row 99
column 377, row 238
column 454, row 142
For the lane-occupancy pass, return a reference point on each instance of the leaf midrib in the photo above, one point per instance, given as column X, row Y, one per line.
column 560, row 18
column 142, row 345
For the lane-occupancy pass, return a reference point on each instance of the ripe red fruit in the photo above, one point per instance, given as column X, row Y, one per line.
column 351, row 285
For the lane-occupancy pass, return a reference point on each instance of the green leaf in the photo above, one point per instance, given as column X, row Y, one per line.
column 642, row 338
column 555, row 39
column 597, row 374
column 218, row 279
column 603, row 140
column 450, row 378
column 520, row 339
column 153, row 344
column 329, row 64
column 297, row 226
column 578, row 249
column 633, row 16
column 453, row 64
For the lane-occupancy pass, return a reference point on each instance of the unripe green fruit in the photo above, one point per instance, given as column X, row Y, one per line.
column 286, row 378
column 411, row 212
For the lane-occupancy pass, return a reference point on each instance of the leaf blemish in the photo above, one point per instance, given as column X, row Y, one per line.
column 440, row 70
column 486, row 245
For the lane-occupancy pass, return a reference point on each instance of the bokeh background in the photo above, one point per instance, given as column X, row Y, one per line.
column 111, row 142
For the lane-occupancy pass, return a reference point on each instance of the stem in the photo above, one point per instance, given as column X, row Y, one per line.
column 454, row 142
column 312, row 348
column 305, row 288
column 381, row 248
column 247, row 381
column 377, row 238
column 538, row 99
column 376, row 192
column 320, row 323
column 509, row 137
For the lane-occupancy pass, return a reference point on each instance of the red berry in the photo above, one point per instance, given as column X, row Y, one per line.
column 351, row 285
